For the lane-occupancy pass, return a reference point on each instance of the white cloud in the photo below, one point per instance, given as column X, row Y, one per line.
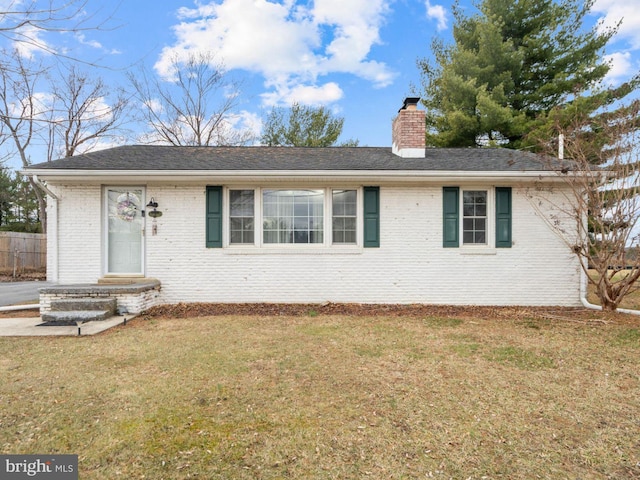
column 83, row 40
column 239, row 124
column 289, row 43
column 314, row 95
column 437, row 13
column 621, row 67
column 42, row 103
column 28, row 41
column 154, row 105
column 613, row 11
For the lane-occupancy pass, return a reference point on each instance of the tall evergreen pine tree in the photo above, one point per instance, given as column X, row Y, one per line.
column 510, row 65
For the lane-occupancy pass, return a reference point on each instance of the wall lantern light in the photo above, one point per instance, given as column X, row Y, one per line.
column 153, row 213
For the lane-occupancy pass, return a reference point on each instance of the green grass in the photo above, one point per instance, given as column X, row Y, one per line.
column 629, row 337
column 520, row 357
column 324, row 397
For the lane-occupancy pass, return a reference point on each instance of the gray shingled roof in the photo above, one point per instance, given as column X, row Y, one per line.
column 163, row 158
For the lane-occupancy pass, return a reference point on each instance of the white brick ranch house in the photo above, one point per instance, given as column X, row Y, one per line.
column 406, row 224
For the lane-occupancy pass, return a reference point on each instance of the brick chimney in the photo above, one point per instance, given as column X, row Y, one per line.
column 408, row 130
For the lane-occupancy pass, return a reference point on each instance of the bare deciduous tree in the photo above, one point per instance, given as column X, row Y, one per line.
column 84, row 112
column 601, row 198
column 194, row 108
column 23, row 111
column 24, row 22
column 20, row 110
column 77, row 114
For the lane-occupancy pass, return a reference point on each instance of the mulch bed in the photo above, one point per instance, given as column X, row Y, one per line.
column 582, row 315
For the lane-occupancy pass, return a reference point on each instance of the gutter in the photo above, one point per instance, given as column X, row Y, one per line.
column 44, row 187
column 347, row 175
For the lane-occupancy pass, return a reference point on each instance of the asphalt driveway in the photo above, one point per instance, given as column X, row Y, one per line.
column 12, row 293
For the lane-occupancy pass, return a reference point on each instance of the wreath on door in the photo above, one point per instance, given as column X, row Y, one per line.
column 127, row 206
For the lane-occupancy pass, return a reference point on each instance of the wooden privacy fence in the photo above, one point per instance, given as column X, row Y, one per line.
column 22, row 252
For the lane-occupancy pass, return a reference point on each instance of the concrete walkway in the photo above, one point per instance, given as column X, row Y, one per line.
column 28, row 327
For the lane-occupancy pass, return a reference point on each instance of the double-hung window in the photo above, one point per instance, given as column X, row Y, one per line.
column 476, row 217
column 241, row 217
column 277, row 216
column 344, row 216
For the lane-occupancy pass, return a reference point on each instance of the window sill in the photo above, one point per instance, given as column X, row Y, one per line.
column 294, row 250
column 478, row 251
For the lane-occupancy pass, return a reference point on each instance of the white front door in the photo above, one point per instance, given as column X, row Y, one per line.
column 124, row 230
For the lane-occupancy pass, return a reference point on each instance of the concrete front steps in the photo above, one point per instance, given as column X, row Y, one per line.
column 74, row 311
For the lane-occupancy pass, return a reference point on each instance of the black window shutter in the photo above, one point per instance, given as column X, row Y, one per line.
column 450, row 213
column 371, row 217
column 503, row 217
column 214, row 217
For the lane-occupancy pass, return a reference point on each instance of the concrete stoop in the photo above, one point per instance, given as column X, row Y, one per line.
column 73, row 311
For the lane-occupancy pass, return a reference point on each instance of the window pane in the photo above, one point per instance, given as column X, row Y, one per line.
column 236, row 237
column 241, row 203
column 289, row 216
column 301, row 208
column 350, row 224
column 270, row 237
column 301, row 236
column 349, row 237
column 286, row 236
column 344, row 206
column 467, row 197
column 270, row 209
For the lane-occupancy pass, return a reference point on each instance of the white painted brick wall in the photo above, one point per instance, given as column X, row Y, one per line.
column 411, row 266
column 79, row 226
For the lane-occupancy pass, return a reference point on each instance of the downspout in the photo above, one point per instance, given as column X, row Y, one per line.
column 54, row 224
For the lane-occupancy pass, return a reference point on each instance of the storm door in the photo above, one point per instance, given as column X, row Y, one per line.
column 124, row 230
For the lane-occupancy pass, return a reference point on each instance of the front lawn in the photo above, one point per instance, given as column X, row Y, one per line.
column 332, row 396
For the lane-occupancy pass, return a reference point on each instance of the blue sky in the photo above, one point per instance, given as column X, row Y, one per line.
column 357, row 57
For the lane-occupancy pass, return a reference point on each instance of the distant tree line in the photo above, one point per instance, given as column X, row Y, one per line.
column 18, row 204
